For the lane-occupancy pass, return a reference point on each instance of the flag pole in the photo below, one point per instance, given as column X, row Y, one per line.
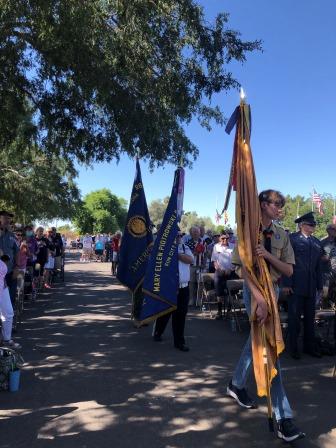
column 297, row 214
column 133, row 319
column 263, row 333
column 267, row 381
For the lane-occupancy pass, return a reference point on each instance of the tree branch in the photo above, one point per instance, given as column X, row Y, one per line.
column 12, row 171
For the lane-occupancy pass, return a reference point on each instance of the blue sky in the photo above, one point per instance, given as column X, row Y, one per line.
column 292, row 92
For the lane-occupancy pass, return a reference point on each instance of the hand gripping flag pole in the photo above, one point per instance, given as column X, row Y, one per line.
column 266, row 340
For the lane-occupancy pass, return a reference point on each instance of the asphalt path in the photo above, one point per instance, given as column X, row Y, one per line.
column 92, row 380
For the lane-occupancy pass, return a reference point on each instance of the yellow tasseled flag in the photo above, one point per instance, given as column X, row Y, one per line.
column 249, row 231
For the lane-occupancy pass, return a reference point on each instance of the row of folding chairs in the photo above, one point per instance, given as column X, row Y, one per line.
column 234, row 308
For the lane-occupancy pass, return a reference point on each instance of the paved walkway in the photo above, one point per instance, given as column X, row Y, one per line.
column 93, row 381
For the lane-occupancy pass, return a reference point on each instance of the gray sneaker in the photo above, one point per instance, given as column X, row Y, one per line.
column 241, row 396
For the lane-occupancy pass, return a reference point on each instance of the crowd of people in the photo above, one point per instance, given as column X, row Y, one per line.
column 29, row 259
column 303, row 271
column 312, row 284
column 101, row 247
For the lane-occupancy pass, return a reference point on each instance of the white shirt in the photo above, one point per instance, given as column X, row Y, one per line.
column 184, row 268
column 87, row 242
column 223, row 256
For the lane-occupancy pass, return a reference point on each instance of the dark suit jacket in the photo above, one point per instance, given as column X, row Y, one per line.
column 307, row 273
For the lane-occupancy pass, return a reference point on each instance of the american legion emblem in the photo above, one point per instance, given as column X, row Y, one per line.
column 137, row 226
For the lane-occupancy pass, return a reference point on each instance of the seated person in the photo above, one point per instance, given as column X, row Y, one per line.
column 224, row 270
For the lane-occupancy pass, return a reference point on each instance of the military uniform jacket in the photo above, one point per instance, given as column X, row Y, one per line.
column 307, row 273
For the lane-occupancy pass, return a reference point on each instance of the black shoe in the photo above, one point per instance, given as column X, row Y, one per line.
column 182, row 347
column 241, row 396
column 295, row 355
column 288, row 431
column 157, row 338
column 313, row 353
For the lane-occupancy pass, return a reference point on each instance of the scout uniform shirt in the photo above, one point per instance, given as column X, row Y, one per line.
column 281, row 248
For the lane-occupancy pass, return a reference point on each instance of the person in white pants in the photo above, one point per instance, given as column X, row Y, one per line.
column 6, row 310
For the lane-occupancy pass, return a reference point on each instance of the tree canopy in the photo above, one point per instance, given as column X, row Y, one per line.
column 156, row 210
column 299, row 205
column 101, row 212
column 192, row 219
column 103, row 77
column 158, row 207
column 35, row 185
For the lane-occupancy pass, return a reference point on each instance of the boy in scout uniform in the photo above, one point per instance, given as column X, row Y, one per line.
column 279, row 256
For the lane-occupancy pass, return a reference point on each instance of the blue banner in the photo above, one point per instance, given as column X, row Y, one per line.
column 161, row 282
column 137, row 239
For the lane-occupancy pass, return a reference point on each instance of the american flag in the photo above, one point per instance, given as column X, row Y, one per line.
column 316, row 199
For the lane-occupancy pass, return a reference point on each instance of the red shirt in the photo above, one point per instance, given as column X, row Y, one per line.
column 115, row 244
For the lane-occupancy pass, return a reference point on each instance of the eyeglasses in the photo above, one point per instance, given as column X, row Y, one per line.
column 278, row 204
column 310, row 224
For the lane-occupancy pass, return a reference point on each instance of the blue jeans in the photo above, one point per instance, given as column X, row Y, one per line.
column 281, row 407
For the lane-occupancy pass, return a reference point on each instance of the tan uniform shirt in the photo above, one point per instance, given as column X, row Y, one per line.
column 280, row 246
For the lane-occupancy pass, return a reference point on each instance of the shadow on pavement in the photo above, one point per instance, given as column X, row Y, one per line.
column 92, row 380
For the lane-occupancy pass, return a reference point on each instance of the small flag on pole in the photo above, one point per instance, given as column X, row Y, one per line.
column 316, row 199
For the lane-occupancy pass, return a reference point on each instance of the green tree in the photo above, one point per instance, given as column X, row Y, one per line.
column 35, row 185
column 192, row 219
column 299, row 205
column 102, row 77
column 100, row 212
column 156, row 210
column 64, row 228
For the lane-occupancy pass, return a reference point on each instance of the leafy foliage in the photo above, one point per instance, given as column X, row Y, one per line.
column 300, row 205
column 192, row 219
column 101, row 212
column 102, row 77
column 158, row 207
column 156, row 210
column 35, row 185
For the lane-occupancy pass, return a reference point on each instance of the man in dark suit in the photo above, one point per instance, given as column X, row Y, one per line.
column 303, row 286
